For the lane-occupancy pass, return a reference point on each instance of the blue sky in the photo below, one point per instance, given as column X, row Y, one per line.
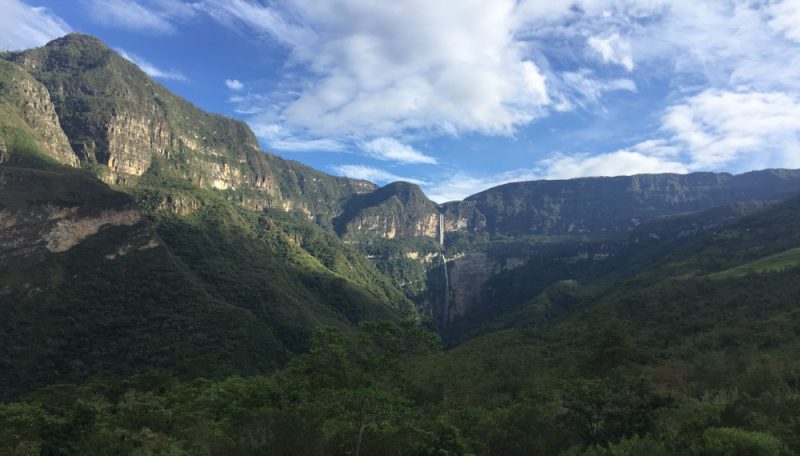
column 461, row 95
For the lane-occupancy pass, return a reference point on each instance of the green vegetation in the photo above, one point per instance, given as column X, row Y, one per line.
column 213, row 292
column 609, row 380
column 196, row 321
column 397, row 207
column 773, row 263
column 20, row 149
column 619, row 204
column 678, row 365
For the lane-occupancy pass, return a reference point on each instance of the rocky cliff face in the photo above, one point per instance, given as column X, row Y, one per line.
column 618, row 204
column 30, row 102
column 84, row 105
column 44, row 213
column 118, row 118
column 468, row 277
column 398, row 210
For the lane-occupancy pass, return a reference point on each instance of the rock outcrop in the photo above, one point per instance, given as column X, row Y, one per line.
column 35, row 114
column 116, row 117
column 43, row 221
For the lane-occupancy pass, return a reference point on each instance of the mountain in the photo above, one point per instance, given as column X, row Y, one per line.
column 672, row 360
column 28, row 118
column 175, row 262
column 593, row 205
column 398, row 210
column 124, row 125
column 103, row 168
column 505, row 245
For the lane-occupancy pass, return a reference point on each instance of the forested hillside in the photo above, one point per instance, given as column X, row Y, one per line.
column 168, row 288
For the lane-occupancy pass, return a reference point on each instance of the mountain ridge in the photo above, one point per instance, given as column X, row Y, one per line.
column 289, row 247
column 127, row 126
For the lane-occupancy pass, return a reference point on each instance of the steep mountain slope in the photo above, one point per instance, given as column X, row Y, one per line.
column 397, row 210
column 595, row 205
column 28, row 118
column 579, row 361
column 95, row 282
column 506, row 244
column 258, row 233
column 174, row 269
column 120, row 122
column 88, row 288
column 659, row 365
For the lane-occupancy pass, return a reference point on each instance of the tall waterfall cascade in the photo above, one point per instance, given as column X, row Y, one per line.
column 441, row 229
column 446, row 307
column 446, row 302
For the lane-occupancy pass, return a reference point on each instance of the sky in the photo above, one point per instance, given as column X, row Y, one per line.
column 462, row 95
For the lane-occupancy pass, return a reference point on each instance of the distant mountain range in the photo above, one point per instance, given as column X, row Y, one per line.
column 138, row 231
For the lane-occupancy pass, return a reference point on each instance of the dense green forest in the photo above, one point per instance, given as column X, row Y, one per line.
column 681, row 362
column 177, row 291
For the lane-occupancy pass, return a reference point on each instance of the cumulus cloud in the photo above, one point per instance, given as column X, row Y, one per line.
column 392, row 150
column 613, row 49
column 786, row 18
column 749, row 129
column 372, row 174
column 359, row 73
column 151, row 70
column 234, row 84
column 377, row 69
column 23, row 26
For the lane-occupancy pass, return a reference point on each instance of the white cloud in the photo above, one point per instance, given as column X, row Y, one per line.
column 737, row 129
column 613, row 49
column 721, row 44
column 786, row 18
column 371, row 174
column 151, row 70
column 461, row 184
column 582, row 88
column 657, row 148
column 392, row 150
column 560, row 166
column 278, row 138
column 619, row 163
column 132, row 14
column 361, row 72
column 23, row 26
column 377, row 69
column 234, row 84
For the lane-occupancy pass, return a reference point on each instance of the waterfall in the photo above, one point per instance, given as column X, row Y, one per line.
column 441, row 229
column 446, row 306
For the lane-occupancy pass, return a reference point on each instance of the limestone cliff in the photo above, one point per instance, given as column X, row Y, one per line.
column 468, row 277
column 27, row 107
column 397, row 210
column 126, row 126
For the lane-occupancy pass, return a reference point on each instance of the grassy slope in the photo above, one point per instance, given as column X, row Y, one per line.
column 773, row 263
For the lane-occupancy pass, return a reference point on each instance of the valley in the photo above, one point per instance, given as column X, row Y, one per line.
column 167, row 287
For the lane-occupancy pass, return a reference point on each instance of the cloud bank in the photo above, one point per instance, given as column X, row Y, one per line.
column 23, row 26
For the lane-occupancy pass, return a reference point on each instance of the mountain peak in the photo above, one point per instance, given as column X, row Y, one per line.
column 78, row 39
column 403, row 190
